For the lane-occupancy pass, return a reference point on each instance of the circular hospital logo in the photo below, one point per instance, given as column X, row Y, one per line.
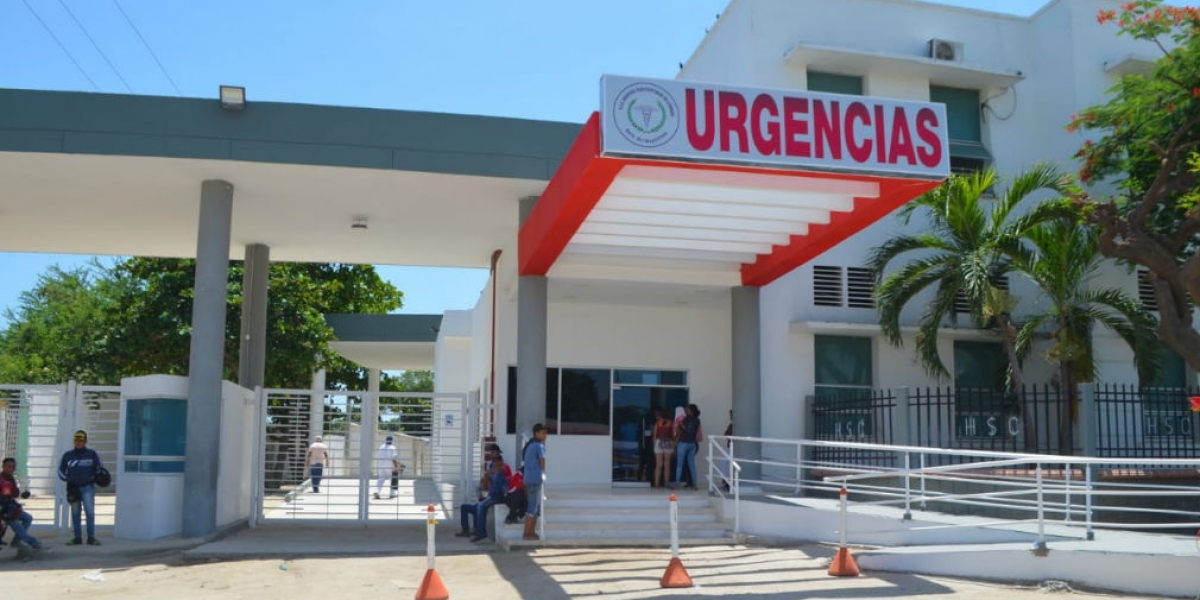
column 646, row 115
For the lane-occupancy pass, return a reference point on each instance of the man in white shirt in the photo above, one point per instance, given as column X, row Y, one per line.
column 318, row 455
column 387, row 465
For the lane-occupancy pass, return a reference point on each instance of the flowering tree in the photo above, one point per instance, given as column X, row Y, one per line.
column 1148, row 135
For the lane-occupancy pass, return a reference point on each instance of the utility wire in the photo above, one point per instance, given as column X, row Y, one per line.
column 60, row 45
column 148, row 48
column 95, row 45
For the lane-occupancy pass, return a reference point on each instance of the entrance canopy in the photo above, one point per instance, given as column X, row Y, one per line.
column 697, row 184
column 118, row 174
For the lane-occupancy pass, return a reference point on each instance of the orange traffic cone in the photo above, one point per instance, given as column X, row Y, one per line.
column 432, row 587
column 843, row 564
column 676, row 576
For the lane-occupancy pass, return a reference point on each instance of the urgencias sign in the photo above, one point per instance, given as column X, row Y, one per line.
column 677, row 119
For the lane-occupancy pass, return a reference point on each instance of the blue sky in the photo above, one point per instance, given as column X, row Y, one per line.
column 538, row 59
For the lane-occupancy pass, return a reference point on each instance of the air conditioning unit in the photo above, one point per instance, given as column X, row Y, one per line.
column 945, row 50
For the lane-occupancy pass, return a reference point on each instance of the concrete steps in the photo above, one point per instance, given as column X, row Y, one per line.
column 621, row 517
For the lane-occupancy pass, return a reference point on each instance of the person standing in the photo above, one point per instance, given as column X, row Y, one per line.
column 78, row 468
column 687, row 442
column 534, row 473
column 387, row 464
column 12, row 513
column 664, row 447
column 318, row 455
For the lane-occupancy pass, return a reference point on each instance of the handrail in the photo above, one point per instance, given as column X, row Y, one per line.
column 734, row 477
column 1050, row 486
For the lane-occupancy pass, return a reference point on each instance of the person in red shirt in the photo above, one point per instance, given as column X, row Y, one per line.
column 11, row 512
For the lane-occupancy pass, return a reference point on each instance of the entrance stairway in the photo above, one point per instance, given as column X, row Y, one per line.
column 606, row 516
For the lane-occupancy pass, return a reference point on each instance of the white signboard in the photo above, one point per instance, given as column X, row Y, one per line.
column 659, row 118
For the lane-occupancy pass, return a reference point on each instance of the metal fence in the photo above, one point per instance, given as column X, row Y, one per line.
column 1106, row 420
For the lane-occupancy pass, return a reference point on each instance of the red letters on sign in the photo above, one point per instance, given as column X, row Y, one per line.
column 767, row 142
column 929, row 154
column 700, row 140
column 794, row 125
column 901, row 142
column 813, row 127
column 827, row 127
column 860, row 151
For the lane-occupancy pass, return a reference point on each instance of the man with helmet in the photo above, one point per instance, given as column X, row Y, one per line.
column 80, row 467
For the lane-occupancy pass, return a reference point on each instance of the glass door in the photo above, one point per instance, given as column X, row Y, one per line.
column 635, row 408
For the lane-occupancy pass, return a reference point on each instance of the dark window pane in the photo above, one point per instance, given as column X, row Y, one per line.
column 962, row 112
column 834, row 83
column 641, row 377
column 979, row 366
column 843, row 360
column 585, row 401
column 551, row 421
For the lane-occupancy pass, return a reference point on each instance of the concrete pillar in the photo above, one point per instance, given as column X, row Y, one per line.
column 316, row 411
column 252, row 354
column 367, row 443
column 747, row 376
column 531, row 347
column 207, row 359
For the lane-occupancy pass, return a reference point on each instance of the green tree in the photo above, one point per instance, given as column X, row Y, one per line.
column 1064, row 262
column 134, row 318
column 1147, row 136
column 57, row 330
column 968, row 246
column 964, row 251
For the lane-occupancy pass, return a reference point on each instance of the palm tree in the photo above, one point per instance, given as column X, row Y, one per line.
column 1066, row 257
column 967, row 248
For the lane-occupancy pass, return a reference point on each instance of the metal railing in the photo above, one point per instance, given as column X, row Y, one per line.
column 1077, row 492
column 1116, row 420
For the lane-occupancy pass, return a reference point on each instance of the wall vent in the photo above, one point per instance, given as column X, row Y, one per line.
column 855, row 289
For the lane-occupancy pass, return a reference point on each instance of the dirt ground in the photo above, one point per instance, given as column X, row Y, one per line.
column 769, row 573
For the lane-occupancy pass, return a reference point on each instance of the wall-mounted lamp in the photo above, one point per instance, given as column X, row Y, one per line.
column 360, row 223
column 233, row 97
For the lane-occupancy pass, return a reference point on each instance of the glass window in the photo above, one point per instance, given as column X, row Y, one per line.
column 979, row 366
column 843, row 367
column 641, row 377
column 834, row 83
column 551, row 421
column 586, row 395
column 1168, row 391
column 155, row 427
column 962, row 112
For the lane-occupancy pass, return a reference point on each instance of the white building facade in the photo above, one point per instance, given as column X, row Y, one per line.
column 1009, row 83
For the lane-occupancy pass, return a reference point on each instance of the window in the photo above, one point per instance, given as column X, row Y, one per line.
column 979, row 366
column 843, row 367
column 551, row 422
column 586, row 394
column 834, row 83
column 578, row 400
column 983, row 409
column 155, row 435
column 1165, row 411
column 857, row 290
column 967, row 152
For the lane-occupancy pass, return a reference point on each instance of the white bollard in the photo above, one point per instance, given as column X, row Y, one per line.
column 430, row 525
column 674, row 527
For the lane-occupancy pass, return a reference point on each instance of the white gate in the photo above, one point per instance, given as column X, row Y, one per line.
column 36, row 423
column 354, row 485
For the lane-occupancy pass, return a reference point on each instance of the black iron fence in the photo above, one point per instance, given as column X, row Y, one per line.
column 1105, row 420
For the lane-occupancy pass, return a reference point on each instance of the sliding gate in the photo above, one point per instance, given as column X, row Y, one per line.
column 355, row 484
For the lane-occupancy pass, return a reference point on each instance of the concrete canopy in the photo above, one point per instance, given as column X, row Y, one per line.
column 386, row 342
column 114, row 174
